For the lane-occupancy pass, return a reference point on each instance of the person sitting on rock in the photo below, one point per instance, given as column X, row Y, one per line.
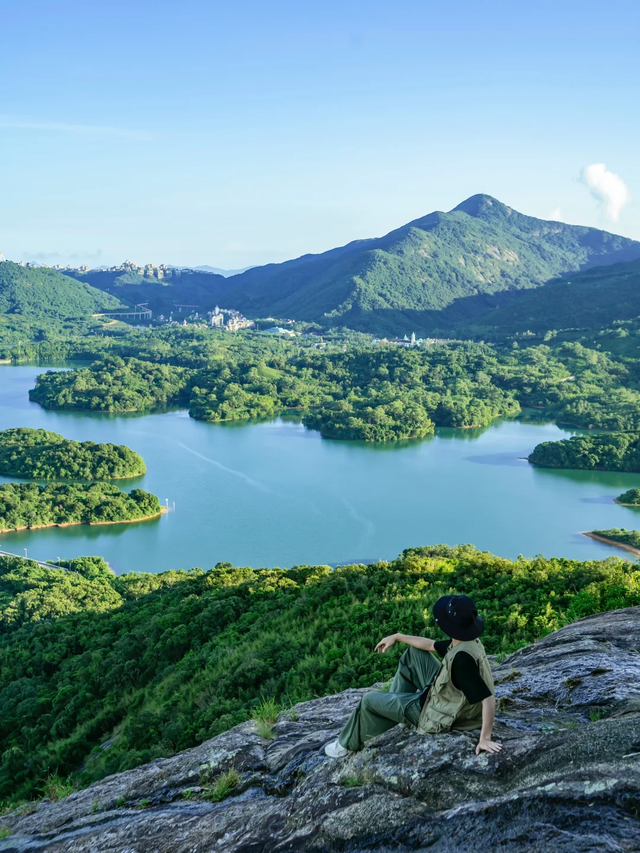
column 435, row 696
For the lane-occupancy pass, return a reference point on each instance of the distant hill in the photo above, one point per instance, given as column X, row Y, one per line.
column 429, row 275
column 163, row 295
column 586, row 300
column 46, row 294
column 224, row 273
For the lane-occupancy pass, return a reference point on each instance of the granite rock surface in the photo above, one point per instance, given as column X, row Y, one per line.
column 567, row 780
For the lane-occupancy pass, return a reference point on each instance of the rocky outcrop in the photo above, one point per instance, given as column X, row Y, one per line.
column 568, row 778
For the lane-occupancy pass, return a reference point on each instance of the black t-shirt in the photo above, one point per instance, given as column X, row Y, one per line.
column 465, row 675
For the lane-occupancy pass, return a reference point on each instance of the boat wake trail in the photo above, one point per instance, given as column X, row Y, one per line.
column 369, row 526
column 255, row 483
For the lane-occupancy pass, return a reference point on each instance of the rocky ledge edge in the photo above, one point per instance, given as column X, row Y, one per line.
column 568, row 778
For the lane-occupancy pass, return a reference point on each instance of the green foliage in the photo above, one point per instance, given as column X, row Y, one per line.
column 379, row 394
column 618, row 451
column 629, row 498
column 626, row 537
column 31, row 505
column 169, row 660
column 589, row 299
column 221, row 787
column 30, row 593
column 427, row 275
column 353, row 391
column 111, row 385
column 358, row 779
column 47, row 294
column 42, row 455
column 55, row 788
column 266, row 716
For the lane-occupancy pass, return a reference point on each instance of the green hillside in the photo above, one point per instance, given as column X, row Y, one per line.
column 429, row 275
column 46, row 294
column 161, row 295
column 589, row 299
column 145, row 665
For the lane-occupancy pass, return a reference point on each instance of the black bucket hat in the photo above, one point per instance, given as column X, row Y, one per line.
column 457, row 616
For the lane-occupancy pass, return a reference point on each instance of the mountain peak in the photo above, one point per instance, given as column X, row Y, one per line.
column 479, row 204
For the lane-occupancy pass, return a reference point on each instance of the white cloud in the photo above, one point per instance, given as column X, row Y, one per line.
column 607, row 188
column 17, row 123
column 556, row 215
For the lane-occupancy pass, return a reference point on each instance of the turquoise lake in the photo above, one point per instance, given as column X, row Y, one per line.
column 278, row 494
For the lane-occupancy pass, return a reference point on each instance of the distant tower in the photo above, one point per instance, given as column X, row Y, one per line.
column 413, row 339
column 2, row 258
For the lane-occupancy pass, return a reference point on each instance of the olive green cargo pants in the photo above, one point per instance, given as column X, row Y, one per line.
column 378, row 711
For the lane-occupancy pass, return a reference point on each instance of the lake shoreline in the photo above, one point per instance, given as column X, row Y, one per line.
column 71, row 482
column 163, row 510
column 606, row 541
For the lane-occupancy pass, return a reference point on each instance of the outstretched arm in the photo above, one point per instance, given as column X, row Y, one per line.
column 417, row 642
column 485, row 744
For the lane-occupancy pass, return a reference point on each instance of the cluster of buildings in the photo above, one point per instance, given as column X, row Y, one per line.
column 401, row 342
column 278, row 330
column 412, row 341
column 220, row 318
column 149, row 270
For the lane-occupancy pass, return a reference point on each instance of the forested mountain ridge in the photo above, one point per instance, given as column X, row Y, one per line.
column 46, row 294
column 589, row 299
column 429, row 275
column 193, row 288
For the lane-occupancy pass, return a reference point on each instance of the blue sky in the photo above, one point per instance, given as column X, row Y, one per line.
column 237, row 133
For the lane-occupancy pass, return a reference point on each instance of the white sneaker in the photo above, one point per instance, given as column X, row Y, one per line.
column 335, row 749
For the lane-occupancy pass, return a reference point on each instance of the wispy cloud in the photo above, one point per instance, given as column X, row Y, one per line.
column 556, row 215
column 41, row 257
column 18, row 123
column 607, row 188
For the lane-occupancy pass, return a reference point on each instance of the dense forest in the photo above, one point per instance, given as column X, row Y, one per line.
column 618, row 451
column 42, row 455
column 589, row 299
column 31, row 505
column 151, row 664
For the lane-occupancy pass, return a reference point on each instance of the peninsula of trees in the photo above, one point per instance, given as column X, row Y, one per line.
column 619, row 451
column 156, row 663
column 41, row 455
column 629, row 539
column 25, row 505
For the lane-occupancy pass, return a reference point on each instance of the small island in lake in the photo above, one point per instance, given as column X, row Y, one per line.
column 613, row 451
column 629, row 498
column 29, row 505
column 42, row 455
column 627, row 539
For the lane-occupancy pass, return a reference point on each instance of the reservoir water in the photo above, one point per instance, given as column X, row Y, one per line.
column 278, row 494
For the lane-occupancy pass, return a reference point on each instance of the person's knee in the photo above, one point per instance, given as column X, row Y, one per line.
column 406, row 655
column 365, row 702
